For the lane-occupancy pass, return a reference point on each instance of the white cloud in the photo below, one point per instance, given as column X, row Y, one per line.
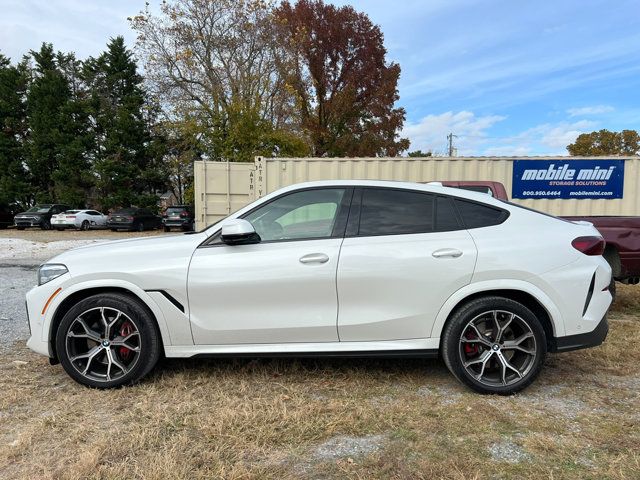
column 431, row 132
column 544, row 139
column 474, row 136
column 591, row 110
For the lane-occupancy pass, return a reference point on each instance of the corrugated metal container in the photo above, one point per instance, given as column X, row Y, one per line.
column 229, row 186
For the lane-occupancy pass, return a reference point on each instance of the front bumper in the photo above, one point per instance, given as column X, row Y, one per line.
column 27, row 222
column 582, row 340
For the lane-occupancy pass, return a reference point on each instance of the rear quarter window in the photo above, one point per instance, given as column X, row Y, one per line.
column 477, row 215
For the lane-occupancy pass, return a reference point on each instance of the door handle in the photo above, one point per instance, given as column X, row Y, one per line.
column 315, row 258
column 447, row 253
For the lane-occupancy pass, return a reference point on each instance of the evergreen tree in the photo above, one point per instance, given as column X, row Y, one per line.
column 126, row 159
column 48, row 95
column 73, row 178
column 14, row 187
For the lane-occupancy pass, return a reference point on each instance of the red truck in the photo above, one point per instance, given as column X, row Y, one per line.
column 622, row 234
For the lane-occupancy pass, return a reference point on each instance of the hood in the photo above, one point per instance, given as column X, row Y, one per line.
column 29, row 214
column 121, row 254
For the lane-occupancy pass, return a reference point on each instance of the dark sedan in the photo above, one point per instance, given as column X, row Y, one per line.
column 6, row 216
column 133, row 219
column 179, row 216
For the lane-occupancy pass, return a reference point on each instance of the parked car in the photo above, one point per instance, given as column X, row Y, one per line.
column 6, row 216
column 134, row 219
column 39, row 216
column 179, row 216
column 417, row 270
column 621, row 234
column 80, row 219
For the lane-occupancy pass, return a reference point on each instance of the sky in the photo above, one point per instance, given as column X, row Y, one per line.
column 509, row 77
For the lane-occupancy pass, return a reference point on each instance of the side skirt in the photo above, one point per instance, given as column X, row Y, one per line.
column 423, row 347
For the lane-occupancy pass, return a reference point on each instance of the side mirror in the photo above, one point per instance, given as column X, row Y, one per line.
column 239, row 232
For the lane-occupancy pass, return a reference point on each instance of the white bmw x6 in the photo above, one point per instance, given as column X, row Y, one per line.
column 334, row 268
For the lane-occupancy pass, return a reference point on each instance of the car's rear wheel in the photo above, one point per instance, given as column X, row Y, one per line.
column 45, row 225
column 167, row 229
column 108, row 340
column 140, row 227
column 85, row 225
column 494, row 345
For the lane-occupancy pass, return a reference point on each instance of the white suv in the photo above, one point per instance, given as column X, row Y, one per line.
column 334, row 268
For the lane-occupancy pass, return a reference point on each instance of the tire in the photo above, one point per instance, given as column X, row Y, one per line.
column 167, row 229
column 45, row 225
column 114, row 229
column 59, row 229
column 483, row 362
column 81, row 335
column 139, row 227
column 20, row 228
column 85, row 225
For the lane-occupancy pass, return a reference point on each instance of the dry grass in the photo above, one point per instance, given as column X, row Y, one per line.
column 285, row 419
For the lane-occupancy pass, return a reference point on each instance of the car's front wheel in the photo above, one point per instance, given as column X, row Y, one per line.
column 494, row 345
column 108, row 340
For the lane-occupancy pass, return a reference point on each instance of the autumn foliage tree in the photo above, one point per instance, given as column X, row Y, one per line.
column 605, row 142
column 216, row 63
column 344, row 88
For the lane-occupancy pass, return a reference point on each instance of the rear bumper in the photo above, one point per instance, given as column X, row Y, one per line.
column 582, row 340
column 176, row 223
column 123, row 225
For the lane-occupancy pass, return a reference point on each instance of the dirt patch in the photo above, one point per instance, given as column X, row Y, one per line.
column 348, row 447
column 507, row 451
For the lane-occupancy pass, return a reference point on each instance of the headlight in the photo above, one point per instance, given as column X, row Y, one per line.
column 49, row 271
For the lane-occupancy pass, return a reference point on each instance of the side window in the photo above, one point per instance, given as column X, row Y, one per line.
column 476, row 215
column 395, row 212
column 446, row 217
column 299, row 215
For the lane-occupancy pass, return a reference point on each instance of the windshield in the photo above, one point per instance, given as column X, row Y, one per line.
column 39, row 209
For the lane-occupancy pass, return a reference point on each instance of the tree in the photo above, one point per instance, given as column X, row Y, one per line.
column 47, row 96
column 605, row 142
column 126, row 158
column 216, row 63
column 420, row 154
column 345, row 90
column 14, row 187
column 73, row 178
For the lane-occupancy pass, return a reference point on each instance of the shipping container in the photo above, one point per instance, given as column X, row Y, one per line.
column 222, row 188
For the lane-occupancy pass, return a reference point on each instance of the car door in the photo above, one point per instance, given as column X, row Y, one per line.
column 280, row 290
column 404, row 254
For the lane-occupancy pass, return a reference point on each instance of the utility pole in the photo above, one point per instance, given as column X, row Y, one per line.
column 450, row 138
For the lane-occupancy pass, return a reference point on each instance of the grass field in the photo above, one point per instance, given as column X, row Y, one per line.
column 286, row 419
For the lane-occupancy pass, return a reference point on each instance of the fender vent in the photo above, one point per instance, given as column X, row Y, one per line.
column 175, row 302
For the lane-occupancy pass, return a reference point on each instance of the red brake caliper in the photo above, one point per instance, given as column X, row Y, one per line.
column 125, row 330
column 471, row 348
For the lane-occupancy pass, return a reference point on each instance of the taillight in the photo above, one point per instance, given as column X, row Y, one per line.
column 130, row 218
column 183, row 214
column 589, row 245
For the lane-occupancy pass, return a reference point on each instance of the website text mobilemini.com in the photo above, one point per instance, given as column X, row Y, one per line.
column 591, row 194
